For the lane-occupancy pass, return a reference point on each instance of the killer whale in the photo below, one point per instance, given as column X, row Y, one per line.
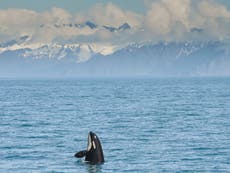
column 94, row 153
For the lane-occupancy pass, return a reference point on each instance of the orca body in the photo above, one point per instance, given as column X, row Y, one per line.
column 94, row 152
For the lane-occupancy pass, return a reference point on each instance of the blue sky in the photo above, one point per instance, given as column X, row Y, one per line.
column 72, row 6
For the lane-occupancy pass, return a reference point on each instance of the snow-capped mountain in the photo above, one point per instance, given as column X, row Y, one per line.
column 84, row 51
column 62, row 47
column 80, row 51
column 135, row 59
column 24, row 56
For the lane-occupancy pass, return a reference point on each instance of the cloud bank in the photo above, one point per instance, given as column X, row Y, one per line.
column 164, row 20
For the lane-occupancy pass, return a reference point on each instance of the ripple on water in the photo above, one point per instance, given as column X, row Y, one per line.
column 145, row 125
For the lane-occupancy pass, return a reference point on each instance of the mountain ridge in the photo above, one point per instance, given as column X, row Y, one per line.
column 135, row 59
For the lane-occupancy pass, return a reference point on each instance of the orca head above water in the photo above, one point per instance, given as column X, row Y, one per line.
column 94, row 153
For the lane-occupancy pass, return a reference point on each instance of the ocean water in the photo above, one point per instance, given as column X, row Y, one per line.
column 145, row 125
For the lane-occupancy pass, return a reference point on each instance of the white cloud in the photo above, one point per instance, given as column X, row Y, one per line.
column 214, row 19
column 163, row 15
column 211, row 9
column 166, row 20
column 84, row 54
column 179, row 10
column 18, row 21
column 111, row 14
column 158, row 19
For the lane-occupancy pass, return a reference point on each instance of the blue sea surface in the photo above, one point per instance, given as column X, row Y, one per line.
column 145, row 125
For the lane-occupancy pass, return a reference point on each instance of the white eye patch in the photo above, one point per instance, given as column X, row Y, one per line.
column 89, row 143
column 94, row 146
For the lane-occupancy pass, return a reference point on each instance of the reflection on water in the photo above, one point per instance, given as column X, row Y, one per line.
column 93, row 168
column 90, row 168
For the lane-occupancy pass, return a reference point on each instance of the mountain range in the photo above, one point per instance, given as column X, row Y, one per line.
column 22, row 58
column 90, row 25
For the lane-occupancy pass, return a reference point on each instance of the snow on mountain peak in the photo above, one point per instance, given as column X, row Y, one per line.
column 81, row 52
column 79, row 47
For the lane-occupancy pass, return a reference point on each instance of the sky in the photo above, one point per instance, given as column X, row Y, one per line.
column 71, row 6
column 150, row 20
column 48, row 22
column 74, row 6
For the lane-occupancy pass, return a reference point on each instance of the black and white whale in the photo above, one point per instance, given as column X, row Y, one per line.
column 94, row 152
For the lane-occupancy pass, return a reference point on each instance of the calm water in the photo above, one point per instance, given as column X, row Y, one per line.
column 145, row 125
